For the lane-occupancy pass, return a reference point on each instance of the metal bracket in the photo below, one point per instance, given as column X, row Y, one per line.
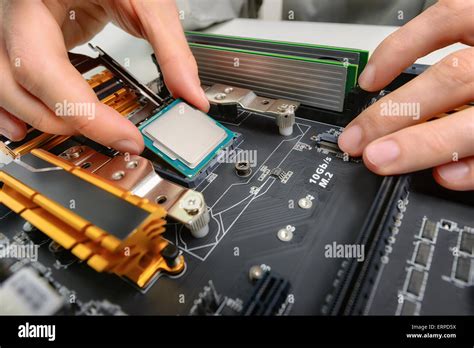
column 137, row 175
column 282, row 109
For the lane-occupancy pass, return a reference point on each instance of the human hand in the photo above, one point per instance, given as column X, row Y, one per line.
column 396, row 145
column 36, row 73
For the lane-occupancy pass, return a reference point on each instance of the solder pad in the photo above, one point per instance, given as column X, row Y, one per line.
column 185, row 137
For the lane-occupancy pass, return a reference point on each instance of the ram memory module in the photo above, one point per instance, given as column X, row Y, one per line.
column 313, row 82
column 341, row 54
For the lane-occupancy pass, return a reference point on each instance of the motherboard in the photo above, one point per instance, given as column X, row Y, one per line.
column 272, row 218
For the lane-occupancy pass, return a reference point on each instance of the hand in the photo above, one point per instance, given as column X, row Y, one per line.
column 396, row 145
column 36, row 73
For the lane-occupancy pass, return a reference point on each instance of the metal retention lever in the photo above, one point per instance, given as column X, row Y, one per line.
column 282, row 109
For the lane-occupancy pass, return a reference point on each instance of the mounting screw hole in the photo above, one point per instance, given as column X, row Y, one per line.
column 161, row 199
column 118, row 175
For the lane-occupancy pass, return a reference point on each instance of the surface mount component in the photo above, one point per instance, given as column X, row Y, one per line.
column 415, row 284
column 428, row 230
column 108, row 227
column 463, row 269
column 282, row 109
column 467, row 242
column 185, row 137
column 423, row 254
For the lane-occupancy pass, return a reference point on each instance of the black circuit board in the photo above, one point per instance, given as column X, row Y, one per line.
column 428, row 268
column 248, row 215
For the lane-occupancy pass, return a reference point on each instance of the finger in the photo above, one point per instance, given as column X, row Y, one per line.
column 441, row 88
column 442, row 24
column 162, row 28
column 457, row 176
column 35, row 40
column 423, row 146
column 18, row 102
column 11, row 127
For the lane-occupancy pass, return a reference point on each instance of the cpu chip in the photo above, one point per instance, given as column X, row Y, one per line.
column 185, row 137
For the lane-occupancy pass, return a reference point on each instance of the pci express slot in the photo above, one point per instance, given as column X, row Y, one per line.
column 352, row 56
column 312, row 82
column 109, row 228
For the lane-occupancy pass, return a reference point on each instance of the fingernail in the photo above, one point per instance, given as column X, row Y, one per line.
column 367, row 78
column 126, row 146
column 454, row 171
column 383, row 154
column 6, row 133
column 350, row 139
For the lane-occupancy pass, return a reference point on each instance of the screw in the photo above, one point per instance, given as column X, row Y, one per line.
column 305, row 203
column 285, row 235
column 228, row 90
column 256, row 272
column 192, row 204
column 72, row 153
column 243, row 169
column 221, row 96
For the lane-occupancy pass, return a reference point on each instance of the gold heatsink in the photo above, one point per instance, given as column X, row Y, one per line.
column 132, row 248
